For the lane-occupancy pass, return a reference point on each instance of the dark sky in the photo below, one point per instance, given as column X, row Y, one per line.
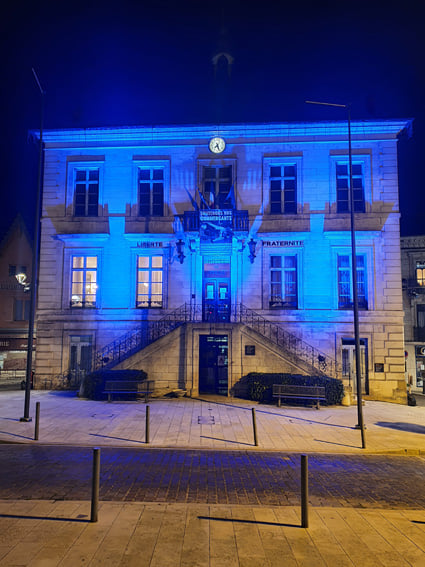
column 142, row 63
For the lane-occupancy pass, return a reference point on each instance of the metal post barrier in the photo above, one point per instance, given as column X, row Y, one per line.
column 95, row 485
column 254, row 426
column 37, row 421
column 147, row 425
column 304, row 491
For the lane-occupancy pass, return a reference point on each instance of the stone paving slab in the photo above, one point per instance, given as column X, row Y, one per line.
column 66, row 419
column 48, row 533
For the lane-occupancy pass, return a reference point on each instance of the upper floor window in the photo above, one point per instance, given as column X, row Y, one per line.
column 420, row 273
column 83, row 281
column 345, row 282
column 149, row 281
column 343, row 187
column 283, row 282
column 151, row 191
column 15, row 270
column 217, row 188
column 86, row 192
column 21, row 310
column 283, row 189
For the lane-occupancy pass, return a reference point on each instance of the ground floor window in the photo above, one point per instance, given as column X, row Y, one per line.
column 283, row 282
column 84, row 281
column 345, row 282
column 149, row 289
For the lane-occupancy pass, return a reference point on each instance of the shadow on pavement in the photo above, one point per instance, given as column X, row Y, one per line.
column 339, row 444
column 226, row 440
column 259, row 522
column 22, row 517
column 402, row 426
column 15, row 435
column 117, row 438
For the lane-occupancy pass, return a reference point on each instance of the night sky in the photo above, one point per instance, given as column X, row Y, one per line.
column 149, row 63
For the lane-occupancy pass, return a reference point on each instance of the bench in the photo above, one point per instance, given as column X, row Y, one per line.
column 128, row 387
column 291, row 391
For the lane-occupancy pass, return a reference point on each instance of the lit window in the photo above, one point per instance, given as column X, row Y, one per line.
column 343, row 187
column 283, row 189
column 345, row 295
column 217, row 188
column 420, row 273
column 86, row 194
column 149, row 281
column 283, row 282
column 151, row 192
column 84, row 281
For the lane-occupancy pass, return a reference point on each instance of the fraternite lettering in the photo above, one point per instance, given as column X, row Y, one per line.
column 285, row 243
column 149, row 244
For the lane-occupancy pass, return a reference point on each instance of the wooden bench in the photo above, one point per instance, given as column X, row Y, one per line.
column 291, row 391
column 128, row 387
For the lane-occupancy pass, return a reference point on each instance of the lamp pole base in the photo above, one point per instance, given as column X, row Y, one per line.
column 26, row 419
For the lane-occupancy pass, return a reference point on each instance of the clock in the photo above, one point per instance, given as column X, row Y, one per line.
column 217, row 145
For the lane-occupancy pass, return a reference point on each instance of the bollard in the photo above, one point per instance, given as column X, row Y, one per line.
column 147, row 425
column 254, row 426
column 304, row 491
column 37, row 421
column 95, row 485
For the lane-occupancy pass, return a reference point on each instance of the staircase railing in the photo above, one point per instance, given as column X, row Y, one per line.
column 147, row 333
column 293, row 345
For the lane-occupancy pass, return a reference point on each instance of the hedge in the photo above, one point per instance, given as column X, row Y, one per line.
column 260, row 385
column 94, row 384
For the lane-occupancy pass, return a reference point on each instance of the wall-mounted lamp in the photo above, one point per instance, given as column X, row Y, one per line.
column 251, row 245
column 22, row 279
column 180, row 248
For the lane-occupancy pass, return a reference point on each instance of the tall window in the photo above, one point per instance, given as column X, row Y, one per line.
column 420, row 273
column 21, row 310
column 149, row 281
column 84, row 281
column 86, row 194
column 343, row 187
column 345, row 283
column 283, row 189
column 151, row 191
column 283, row 282
column 217, row 188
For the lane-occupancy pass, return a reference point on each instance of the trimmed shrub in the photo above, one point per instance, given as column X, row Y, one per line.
column 260, row 385
column 93, row 385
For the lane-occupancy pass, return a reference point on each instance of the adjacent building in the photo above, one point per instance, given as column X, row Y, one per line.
column 203, row 253
column 413, row 273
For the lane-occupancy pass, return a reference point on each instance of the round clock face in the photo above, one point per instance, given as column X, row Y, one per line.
column 217, row 145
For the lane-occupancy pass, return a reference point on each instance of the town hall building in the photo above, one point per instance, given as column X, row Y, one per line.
column 202, row 253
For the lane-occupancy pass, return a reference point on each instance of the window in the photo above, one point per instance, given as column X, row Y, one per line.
column 149, row 281
column 345, row 299
column 84, row 281
column 283, row 282
column 420, row 273
column 14, row 270
column 21, row 310
column 86, row 194
column 151, row 191
column 343, row 187
column 217, row 188
column 283, row 189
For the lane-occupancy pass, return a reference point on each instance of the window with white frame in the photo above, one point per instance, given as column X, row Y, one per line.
column 149, row 285
column 86, row 192
column 343, row 187
column 283, row 188
column 84, row 279
column 345, row 281
column 151, row 191
column 283, row 282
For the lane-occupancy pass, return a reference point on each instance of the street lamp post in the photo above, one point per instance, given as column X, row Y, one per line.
column 360, row 425
column 35, row 252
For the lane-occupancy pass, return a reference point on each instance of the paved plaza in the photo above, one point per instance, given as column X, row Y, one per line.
column 200, row 493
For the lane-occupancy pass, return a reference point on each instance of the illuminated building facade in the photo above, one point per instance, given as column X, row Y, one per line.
column 201, row 253
column 413, row 273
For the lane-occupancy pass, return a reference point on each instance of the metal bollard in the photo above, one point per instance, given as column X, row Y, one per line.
column 147, row 425
column 254, row 426
column 95, row 485
column 304, row 491
column 37, row 421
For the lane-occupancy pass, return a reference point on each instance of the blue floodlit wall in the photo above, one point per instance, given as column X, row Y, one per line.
column 316, row 234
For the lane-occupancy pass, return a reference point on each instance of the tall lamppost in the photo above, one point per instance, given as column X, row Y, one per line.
column 35, row 253
column 360, row 425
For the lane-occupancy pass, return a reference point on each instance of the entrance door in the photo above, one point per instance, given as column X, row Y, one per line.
column 213, row 363
column 80, row 357
column 216, row 292
column 349, row 364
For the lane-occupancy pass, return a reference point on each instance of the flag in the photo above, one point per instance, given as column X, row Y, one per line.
column 193, row 201
column 231, row 196
column 201, row 197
